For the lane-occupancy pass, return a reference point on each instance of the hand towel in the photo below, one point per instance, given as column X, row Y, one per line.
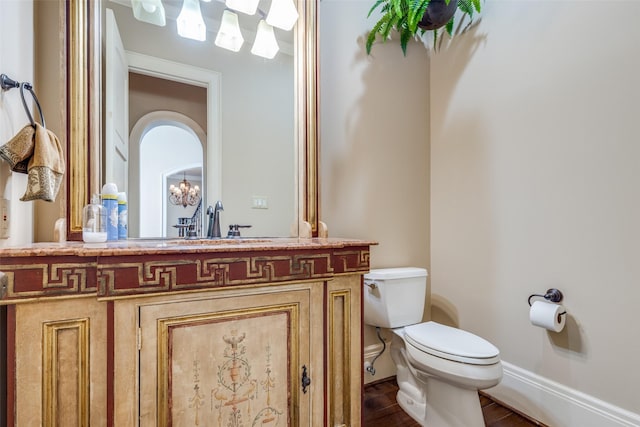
column 46, row 166
column 19, row 149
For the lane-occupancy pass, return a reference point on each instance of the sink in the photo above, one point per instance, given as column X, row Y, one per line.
column 222, row 241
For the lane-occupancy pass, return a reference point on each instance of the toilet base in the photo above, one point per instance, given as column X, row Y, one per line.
column 446, row 406
column 414, row 409
column 431, row 400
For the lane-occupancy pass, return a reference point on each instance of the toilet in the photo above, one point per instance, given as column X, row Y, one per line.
column 439, row 368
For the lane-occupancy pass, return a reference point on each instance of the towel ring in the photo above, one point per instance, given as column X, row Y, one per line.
column 28, row 86
column 7, row 83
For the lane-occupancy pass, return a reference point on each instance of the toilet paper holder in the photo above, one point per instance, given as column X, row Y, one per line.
column 552, row 295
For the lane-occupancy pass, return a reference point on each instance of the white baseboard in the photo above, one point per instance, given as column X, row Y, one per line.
column 555, row 404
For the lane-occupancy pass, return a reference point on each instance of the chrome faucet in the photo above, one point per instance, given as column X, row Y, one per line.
column 213, row 230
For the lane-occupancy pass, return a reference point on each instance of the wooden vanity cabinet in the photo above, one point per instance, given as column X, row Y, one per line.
column 252, row 351
column 344, row 351
column 233, row 357
column 57, row 363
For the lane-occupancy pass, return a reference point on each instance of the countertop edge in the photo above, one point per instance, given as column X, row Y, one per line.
column 133, row 247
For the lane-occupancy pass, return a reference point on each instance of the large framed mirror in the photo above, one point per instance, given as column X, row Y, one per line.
column 87, row 157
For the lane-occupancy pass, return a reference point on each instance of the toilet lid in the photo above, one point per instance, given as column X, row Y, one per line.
column 451, row 343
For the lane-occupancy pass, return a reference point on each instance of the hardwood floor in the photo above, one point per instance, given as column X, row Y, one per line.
column 380, row 409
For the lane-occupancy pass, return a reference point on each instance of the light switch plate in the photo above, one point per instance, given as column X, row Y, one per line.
column 4, row 218
column 259, row 202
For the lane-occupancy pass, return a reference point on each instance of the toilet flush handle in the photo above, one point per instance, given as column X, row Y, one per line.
column 371, row 285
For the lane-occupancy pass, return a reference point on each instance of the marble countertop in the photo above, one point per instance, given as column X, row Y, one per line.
column 131, row 247
column 147, row 266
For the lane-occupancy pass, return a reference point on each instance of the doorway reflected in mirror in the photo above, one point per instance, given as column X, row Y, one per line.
column 170, row 152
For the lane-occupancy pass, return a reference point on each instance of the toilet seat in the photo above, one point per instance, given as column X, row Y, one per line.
column 451, row 343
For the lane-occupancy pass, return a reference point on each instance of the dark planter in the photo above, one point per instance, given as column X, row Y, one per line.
column 438, row 13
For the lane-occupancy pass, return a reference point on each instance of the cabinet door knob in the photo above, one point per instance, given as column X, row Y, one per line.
column 306, row 381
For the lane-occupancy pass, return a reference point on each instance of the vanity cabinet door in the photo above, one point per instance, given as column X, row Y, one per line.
column 60, row 363
column 232, row 358
column 344, row 351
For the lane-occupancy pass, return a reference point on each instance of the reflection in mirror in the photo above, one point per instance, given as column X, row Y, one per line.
column 247, row 115
column 82, row 43
column 169, row 193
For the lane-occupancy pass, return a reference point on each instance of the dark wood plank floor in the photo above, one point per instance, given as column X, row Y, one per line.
column 381, row 409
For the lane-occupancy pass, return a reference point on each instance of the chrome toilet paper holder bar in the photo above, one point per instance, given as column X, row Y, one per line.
column 552, row 295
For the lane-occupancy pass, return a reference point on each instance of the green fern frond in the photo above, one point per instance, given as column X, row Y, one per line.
column 397, row 5
column 466, row 6
column 404, row 16
column 375, row 5
column 449, row 27
column 416, row 14
column 404, row 39
column 371, row 38
column 387, row 29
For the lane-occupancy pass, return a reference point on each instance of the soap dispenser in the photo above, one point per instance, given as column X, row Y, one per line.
column 94, row 222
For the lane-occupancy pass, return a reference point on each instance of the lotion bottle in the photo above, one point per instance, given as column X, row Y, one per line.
column 122, row 216
column 110, row 203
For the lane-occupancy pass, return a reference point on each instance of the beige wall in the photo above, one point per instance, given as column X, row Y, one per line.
column 535, row 184
column 374, row 151
column 148, row 94
column 16, row 61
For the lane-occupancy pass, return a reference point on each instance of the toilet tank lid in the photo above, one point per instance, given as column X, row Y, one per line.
column 395, row 273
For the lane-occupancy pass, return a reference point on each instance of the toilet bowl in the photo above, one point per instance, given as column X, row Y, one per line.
column 439, row 368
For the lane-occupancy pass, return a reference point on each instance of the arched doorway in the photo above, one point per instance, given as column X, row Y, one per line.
column 166, row 147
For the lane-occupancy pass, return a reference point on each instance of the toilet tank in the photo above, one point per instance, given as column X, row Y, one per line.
column 394, row 297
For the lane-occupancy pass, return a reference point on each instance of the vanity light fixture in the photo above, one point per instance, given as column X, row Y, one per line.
column 282, row 14
column 265, row 44
column 229, row 35
column 245, row 6
column 150, row 11
column 183, row 194
column 190, row 22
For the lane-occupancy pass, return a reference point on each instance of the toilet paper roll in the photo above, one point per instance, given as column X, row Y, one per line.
column 547, row 315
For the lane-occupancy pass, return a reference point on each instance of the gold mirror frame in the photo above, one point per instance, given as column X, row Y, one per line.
column 82, row 43
column 83, row 116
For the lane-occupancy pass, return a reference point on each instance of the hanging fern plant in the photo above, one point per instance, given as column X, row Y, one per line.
column 412, row 18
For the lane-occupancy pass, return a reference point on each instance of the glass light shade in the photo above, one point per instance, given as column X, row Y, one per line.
column 265, row 44
column 150, row 11
column 229, row 35
column 245, row 6
column 190, row 22
column 282, row 14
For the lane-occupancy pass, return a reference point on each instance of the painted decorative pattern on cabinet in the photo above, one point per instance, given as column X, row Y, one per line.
column 37, row 277
column 127, row 275
column 114, row 272
column 239, row 375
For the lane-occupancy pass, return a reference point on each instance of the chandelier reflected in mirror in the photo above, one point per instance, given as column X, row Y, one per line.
column 184, row 194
